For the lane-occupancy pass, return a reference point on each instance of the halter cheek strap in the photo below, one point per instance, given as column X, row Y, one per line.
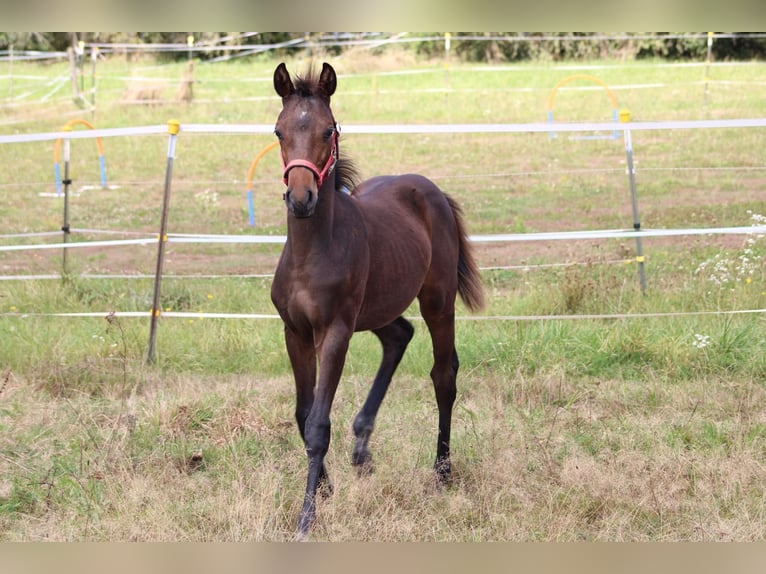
column 320, row 175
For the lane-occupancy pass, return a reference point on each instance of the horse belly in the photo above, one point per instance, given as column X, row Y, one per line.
column 399, row 263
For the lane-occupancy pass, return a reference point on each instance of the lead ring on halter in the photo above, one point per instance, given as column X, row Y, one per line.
column 311, row 166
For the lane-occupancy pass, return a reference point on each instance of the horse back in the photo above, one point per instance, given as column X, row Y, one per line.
column 408, row 205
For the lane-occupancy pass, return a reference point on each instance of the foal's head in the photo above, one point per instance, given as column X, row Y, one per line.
column 307, row 134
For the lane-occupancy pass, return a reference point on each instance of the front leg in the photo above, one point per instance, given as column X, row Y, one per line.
column 332, row 345
column 303, row 360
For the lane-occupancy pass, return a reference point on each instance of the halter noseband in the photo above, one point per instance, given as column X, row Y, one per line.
column 311, row 166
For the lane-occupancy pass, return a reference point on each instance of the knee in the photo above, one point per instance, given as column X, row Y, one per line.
column 300, row 417
column 317, row 436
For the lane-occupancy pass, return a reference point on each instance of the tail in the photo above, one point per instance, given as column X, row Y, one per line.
column 468, row 277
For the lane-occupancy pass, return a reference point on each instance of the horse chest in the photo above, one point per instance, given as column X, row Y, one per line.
column 300, row 308
column 314, row 302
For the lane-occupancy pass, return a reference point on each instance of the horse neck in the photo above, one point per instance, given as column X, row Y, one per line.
column 311, row 233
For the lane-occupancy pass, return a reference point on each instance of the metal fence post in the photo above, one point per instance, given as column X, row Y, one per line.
column 625, row 117
column 173, row 129
column 67, row 182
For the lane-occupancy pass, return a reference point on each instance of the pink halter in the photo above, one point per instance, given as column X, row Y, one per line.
column 311, row 166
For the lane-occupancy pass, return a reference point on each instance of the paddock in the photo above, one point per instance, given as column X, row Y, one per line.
column 590, row 408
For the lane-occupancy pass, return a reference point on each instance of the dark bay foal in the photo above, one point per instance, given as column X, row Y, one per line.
column 355, row 262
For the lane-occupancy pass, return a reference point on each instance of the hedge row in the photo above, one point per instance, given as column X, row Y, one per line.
column 466, row 46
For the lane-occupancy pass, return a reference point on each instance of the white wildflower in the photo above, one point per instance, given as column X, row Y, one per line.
column 700, row 341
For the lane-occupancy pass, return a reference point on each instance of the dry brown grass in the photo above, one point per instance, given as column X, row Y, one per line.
column 195, row 458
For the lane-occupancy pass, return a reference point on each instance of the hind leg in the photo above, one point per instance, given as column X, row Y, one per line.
column 439, row 313
column 394, row 337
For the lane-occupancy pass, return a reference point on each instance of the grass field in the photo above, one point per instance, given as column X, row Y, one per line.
column 646, row 426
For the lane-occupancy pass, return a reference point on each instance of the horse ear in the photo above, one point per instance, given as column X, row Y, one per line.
column 282, row 82
column 328, row 81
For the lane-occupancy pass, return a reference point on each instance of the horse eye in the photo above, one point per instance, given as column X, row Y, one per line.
column 328, row 133
column 278, row 134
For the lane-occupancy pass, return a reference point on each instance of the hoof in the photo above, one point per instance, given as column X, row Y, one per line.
column 305, row 523
column 326, row 489
column 365, row 468
column 362, row 459
column 443, row 472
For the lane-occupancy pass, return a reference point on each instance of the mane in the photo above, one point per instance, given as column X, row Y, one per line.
column 306, row 85
column 346, row 175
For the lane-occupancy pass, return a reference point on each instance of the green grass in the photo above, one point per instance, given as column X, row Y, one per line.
column 565, row 429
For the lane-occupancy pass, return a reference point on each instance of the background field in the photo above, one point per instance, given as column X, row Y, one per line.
column 635, row 428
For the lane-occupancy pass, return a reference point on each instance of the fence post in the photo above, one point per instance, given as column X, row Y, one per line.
column 93, row 60
column 10, row 72
column 173, row 129
column 625, row 117
column 66, row 181
column 707, row 61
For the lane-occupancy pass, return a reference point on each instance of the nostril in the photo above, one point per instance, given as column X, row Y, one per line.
column 309, row 196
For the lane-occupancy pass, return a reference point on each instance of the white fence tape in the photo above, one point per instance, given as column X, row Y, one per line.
column 259, row 316
column 501, row 237
column 617, row 233
column 111, row 243
column 85, row 134
column 536, row 127
column 540, row 127
column 202, row 238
